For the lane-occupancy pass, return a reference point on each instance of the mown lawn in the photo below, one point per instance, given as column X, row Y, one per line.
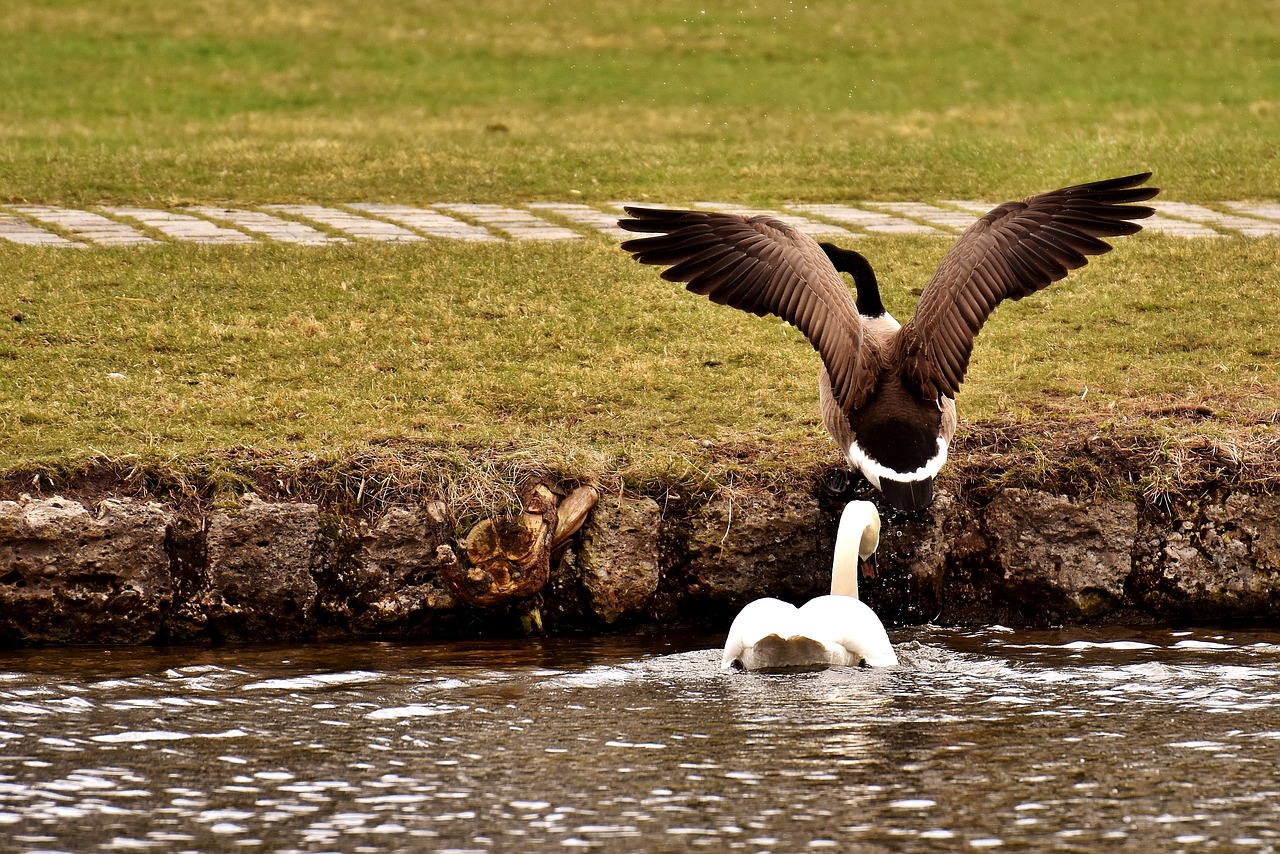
column 496, row 101
column 570, row 355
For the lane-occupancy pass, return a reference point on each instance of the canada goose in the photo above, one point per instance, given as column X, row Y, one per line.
column 887, row 392
column 839, row 629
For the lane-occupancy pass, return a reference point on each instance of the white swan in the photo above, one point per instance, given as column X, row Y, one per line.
column 838, row 629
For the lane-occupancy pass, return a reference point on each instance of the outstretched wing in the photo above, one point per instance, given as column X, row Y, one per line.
column 1016, row 249
column 761, row 265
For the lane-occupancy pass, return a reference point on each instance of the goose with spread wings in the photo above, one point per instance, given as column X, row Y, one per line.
column 887, row 391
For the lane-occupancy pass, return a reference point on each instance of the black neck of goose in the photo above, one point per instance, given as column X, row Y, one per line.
column 864, row 278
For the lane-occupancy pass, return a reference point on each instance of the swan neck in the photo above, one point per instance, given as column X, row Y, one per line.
column 844, row 575
column 858, row 537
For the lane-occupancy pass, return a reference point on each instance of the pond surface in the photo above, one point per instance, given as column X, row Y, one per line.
column 1067, row 740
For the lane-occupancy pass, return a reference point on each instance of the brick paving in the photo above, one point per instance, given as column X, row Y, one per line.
column 605, row 222
column 181, row 226
column 947, row 218
column 809, row 226
column 1245, row 225
column 428, row 222
column 319, row 225
column 85, row 225
column 875, row 222
column 522, row 225
column 351, row 224
column 1266, row 210
column 270, row 227
column 17, row 230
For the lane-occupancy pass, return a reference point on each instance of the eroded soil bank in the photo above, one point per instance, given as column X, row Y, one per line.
column 1104, row 528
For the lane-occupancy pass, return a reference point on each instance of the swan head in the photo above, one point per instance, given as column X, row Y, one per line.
column 869, row 518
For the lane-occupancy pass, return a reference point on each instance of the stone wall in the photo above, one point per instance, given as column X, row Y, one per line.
column 129, row 571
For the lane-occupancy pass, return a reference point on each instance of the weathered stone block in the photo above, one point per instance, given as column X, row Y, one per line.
column 260, row 581
column 71, row 576
column 397, row 577
column 745, row 547
column 618, row 556
column 1226, row 566
column 911, row 562
column 1063, row 558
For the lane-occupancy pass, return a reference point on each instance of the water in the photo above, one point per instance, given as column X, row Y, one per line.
column 1067, row 740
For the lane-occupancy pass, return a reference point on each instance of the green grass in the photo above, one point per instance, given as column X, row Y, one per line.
column 176, row 352
column 381, row 100
column 309, row 350
column 573, row 355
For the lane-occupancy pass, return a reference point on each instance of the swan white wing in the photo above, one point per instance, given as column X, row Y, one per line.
column 850, row 624
column 756, row 621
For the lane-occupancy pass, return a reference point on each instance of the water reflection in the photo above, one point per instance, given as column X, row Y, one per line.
column 1065, row 740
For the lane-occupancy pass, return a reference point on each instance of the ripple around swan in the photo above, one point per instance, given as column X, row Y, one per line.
column 1080, row 740
column 316, row 680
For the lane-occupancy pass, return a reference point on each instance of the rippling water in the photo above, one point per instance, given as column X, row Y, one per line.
column 1066, row 740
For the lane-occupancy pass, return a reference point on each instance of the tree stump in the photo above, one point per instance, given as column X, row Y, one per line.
column 511, row 557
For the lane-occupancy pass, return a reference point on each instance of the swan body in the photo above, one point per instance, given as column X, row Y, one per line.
column 887, row 390
column 833, row 630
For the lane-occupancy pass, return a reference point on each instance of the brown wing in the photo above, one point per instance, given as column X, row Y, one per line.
column 1016, row 249
column 763, row 266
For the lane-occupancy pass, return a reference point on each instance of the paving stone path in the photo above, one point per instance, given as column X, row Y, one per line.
column 85, row 226
column 321, row 225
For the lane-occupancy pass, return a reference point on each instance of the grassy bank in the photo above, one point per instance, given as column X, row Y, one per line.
column 570, row 356
column 483, row 358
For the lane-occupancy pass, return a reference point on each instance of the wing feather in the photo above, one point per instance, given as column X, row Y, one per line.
column 1015, row 250
column 761, row 265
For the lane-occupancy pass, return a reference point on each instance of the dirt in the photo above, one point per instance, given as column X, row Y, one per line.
column 1166, row 451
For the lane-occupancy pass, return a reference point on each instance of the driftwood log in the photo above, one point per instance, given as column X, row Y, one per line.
column 572, row 513
column 510, row 557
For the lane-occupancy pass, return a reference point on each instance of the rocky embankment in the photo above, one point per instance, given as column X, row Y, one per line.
column 128, row 570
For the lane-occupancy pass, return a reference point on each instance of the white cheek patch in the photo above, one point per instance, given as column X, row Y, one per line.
column 874, row 471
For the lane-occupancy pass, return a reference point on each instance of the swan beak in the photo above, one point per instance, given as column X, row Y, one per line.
column 907, row 495
column 869, row 566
